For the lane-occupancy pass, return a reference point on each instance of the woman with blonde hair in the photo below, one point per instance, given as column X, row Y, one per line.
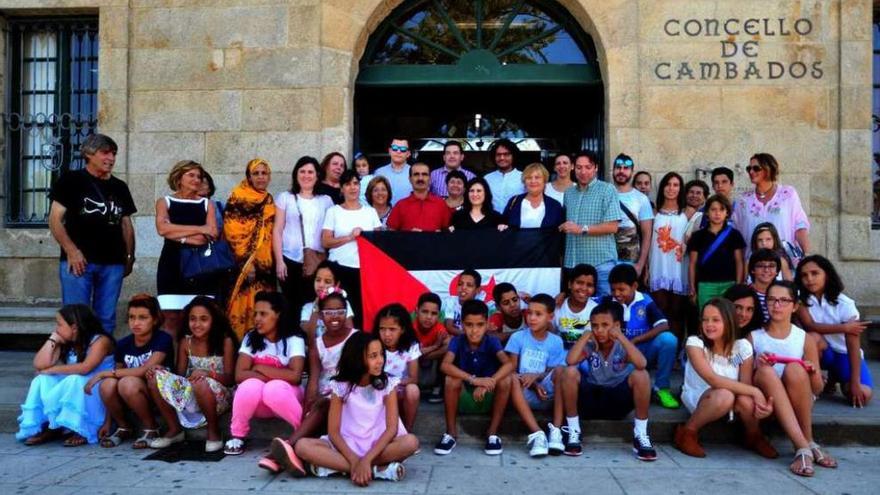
column 183, row 219
column 247, row 226
column 534, row 209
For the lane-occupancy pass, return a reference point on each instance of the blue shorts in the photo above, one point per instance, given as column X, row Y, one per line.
column 838, row 368
column 532, row 397
column 599, row 402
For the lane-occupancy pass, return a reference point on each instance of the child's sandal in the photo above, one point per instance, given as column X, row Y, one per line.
column 115, row 439
column 144, row 441
column 75, row 440
column 821, row 457
column 234, row 446
column 803, row 469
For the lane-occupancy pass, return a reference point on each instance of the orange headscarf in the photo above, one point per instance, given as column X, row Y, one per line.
column 247, row 226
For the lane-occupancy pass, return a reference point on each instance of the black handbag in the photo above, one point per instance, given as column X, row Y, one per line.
column 205, row 262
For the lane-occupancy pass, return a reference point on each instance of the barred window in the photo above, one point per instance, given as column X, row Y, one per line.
column 53, row 105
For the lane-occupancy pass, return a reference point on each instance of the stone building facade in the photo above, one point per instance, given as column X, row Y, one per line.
column 687, row 85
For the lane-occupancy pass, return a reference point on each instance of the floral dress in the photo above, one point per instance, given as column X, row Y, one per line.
column 178, row 391
column 667, row 264
column 783, row 210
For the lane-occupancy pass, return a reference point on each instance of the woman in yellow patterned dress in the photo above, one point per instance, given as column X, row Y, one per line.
column 247, row 225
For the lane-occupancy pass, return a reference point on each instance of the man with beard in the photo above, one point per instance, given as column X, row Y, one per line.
column 505, row 182
column 633, row 235
column 421, row 211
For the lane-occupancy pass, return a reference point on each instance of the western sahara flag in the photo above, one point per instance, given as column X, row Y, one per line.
column 401, row 266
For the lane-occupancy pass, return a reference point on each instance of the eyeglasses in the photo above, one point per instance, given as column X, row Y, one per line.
column 333, row 312
column 766, row 266
column 620, row 162
column 399, row 149
column 779, row 301
column 754, row 168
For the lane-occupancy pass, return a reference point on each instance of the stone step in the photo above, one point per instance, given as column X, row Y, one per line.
column 27, row 320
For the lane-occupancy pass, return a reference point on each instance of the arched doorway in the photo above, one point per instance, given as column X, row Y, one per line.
column 477, row 71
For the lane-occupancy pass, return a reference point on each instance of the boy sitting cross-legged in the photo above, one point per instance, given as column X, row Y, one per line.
column 478, row 377
column 647, row 328
column 606, row 379
column 538, row 356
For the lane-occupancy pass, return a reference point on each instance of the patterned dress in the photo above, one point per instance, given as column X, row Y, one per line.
column 178, row 391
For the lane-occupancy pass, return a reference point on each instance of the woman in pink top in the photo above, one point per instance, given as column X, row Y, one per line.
column 774, row 203
column 366, row 437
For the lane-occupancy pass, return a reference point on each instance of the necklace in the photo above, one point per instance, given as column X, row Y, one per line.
column 762, row 195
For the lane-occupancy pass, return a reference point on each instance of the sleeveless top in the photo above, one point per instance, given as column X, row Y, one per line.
column 205, row 363
column 329, row 357
column 186, row 212
column 791, row 346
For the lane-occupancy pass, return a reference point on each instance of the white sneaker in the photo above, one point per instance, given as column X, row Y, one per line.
column 393, row 472
column 554, row 444
column 320, row 471
column 537, row 443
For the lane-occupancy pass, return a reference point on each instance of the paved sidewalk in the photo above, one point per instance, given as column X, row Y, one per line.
column 605, row 468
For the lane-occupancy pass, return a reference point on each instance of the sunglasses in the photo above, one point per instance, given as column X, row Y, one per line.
column 399, row 149
column 333, row 312
column 620, row 162
column 754, row 168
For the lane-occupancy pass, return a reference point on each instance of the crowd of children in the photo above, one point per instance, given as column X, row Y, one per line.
column 758, row 352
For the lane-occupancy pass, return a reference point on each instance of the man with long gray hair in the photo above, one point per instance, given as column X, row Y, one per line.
column 90, row 217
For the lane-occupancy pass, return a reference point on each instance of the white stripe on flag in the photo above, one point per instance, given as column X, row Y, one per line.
column 531, row 280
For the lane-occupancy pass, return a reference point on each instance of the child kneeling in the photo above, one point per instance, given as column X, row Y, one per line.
column 477, row 377
column 606, row 379
column 366, row 438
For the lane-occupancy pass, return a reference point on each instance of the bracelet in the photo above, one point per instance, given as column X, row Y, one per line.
column 53, row 341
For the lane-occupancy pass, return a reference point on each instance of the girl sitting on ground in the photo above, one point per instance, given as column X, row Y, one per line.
column 268, row 371
column 834, row 323
column 366, row 438
column 125, row 387
column 792, row 385
column 200, row 391
column 324, row 355
column 56, row 400
column 717, row 382
column 402, row 353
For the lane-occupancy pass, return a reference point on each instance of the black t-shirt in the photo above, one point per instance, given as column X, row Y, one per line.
column 133, row 356
column 93, row 219
column 335, row 193
column 462, row 220
column 720, row 267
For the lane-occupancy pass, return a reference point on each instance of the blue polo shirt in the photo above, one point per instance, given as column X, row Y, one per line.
column 482, row 362
column 641, row 315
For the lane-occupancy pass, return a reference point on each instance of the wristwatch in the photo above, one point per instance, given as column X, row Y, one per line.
column 585, row 229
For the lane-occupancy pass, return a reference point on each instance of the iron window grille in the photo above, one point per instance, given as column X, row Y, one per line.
column 52, row 105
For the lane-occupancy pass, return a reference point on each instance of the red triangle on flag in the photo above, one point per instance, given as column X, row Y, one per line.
column 384, row 281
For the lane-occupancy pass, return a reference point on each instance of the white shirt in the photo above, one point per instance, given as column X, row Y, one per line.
column 824, row 312
column 504, row 187
column 572, row 324
column 551, row 191
column 399, row 180
column 791, row 346
column 724, row 366
column 396, row 362
column 309, row 211
column 342, row 222
column 530, row 217
column 638, row 204
column 273, row 352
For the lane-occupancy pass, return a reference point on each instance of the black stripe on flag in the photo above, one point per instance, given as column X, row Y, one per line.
column 485, row 248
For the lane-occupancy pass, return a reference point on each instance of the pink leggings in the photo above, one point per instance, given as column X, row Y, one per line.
column 272, row 399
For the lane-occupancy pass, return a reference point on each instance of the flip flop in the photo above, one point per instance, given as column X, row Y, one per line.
column 821, row 457
column 803, row 470
column 284, row 455
column 75, row 440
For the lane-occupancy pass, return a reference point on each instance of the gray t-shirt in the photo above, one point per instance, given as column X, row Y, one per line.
column 606, row 373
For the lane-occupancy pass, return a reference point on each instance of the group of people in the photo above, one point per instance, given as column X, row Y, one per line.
column 639, row 278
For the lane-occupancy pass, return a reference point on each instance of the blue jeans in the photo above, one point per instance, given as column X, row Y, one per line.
column 99, row 287
column 661, row 349
column 603, row 287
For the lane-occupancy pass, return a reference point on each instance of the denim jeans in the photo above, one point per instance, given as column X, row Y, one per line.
column 99, row 287
column 660, row 350
column 603, row 287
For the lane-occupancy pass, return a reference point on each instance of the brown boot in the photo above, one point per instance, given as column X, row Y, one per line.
column 687, row 441
column 759, row 443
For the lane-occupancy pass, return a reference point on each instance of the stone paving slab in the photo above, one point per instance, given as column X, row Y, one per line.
column 604, row 468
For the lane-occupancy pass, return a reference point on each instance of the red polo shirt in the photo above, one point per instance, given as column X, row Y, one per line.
column 429, row 214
